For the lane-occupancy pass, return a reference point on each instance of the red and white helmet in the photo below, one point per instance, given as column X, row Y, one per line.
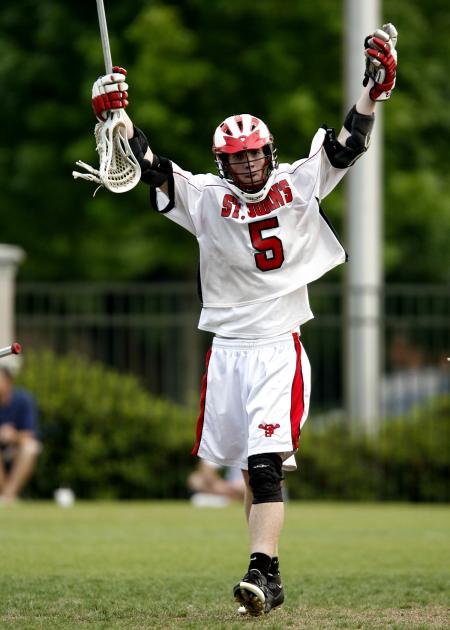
column 244, row 132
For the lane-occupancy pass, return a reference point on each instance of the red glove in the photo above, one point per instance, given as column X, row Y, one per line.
column 382, row 54
column 381, row 61
column 109, row 93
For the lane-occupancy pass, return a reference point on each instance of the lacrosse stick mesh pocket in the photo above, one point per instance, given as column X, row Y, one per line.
column 119, row 170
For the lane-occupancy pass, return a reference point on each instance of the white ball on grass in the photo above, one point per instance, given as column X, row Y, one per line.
column 64, row 497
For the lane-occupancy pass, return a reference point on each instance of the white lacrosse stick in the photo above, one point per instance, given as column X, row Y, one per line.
column 119, row 170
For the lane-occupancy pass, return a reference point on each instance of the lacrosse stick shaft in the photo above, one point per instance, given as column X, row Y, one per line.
column 104, row 36
column 14, row 348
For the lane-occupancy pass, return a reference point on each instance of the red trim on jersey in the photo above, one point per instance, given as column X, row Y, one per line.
column 201, row 416
column 297, row 394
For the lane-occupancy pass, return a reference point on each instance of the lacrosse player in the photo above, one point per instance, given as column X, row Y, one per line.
column 263, row 238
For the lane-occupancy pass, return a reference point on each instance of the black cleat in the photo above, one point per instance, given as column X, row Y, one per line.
column 275, row 588
column 253, row 593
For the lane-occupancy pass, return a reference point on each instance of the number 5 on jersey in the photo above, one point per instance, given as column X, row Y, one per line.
column 269, row 249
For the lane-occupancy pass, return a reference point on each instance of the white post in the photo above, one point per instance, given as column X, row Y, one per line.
column 10, row 257
column 364, row 238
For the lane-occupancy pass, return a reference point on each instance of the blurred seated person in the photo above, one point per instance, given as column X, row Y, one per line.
column 19, row 437
column 415, row 377
column 206, row 483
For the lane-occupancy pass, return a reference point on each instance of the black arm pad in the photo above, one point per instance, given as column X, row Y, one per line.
column 359, row 126
column 152, row 173
column 156, row 173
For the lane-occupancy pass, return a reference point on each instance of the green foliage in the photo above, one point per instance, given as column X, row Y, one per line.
column 415, row 456
column 409, row 460
column 191, row 63
column 104, row 435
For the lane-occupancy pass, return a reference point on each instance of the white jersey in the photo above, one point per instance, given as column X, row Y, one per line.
column 253, row 254
column 262, row 319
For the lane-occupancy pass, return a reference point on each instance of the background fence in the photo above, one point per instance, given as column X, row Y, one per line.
column 151, row 331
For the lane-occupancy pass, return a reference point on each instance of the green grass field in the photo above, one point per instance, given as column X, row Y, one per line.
column 169, row 565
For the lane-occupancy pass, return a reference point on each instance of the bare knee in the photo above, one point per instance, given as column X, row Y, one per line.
column 29, row 447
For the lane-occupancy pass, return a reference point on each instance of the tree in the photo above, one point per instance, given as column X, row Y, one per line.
column 191, row 63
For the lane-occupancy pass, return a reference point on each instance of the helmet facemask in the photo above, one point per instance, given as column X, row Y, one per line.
column 245, row 156
column 246, row 170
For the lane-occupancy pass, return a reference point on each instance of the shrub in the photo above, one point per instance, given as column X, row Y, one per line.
column 409, row 460
column 104, row 435
column 415, row 455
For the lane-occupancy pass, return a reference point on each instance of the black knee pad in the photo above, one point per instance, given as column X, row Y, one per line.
column 265, row 476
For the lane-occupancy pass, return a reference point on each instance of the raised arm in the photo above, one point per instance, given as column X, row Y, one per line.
column 110, row 93
column 379, row 81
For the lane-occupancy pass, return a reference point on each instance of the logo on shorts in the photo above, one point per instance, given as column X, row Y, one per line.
column 269, row 429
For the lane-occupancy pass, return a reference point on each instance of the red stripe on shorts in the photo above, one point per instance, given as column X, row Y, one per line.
column 201, row 416
column 297, row 399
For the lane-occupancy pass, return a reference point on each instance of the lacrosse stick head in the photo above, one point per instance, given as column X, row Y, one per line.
column 119, row 170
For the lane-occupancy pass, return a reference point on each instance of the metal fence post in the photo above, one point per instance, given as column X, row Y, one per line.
column 364, row 230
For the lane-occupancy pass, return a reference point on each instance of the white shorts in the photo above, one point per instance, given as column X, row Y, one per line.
column 255, row 399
